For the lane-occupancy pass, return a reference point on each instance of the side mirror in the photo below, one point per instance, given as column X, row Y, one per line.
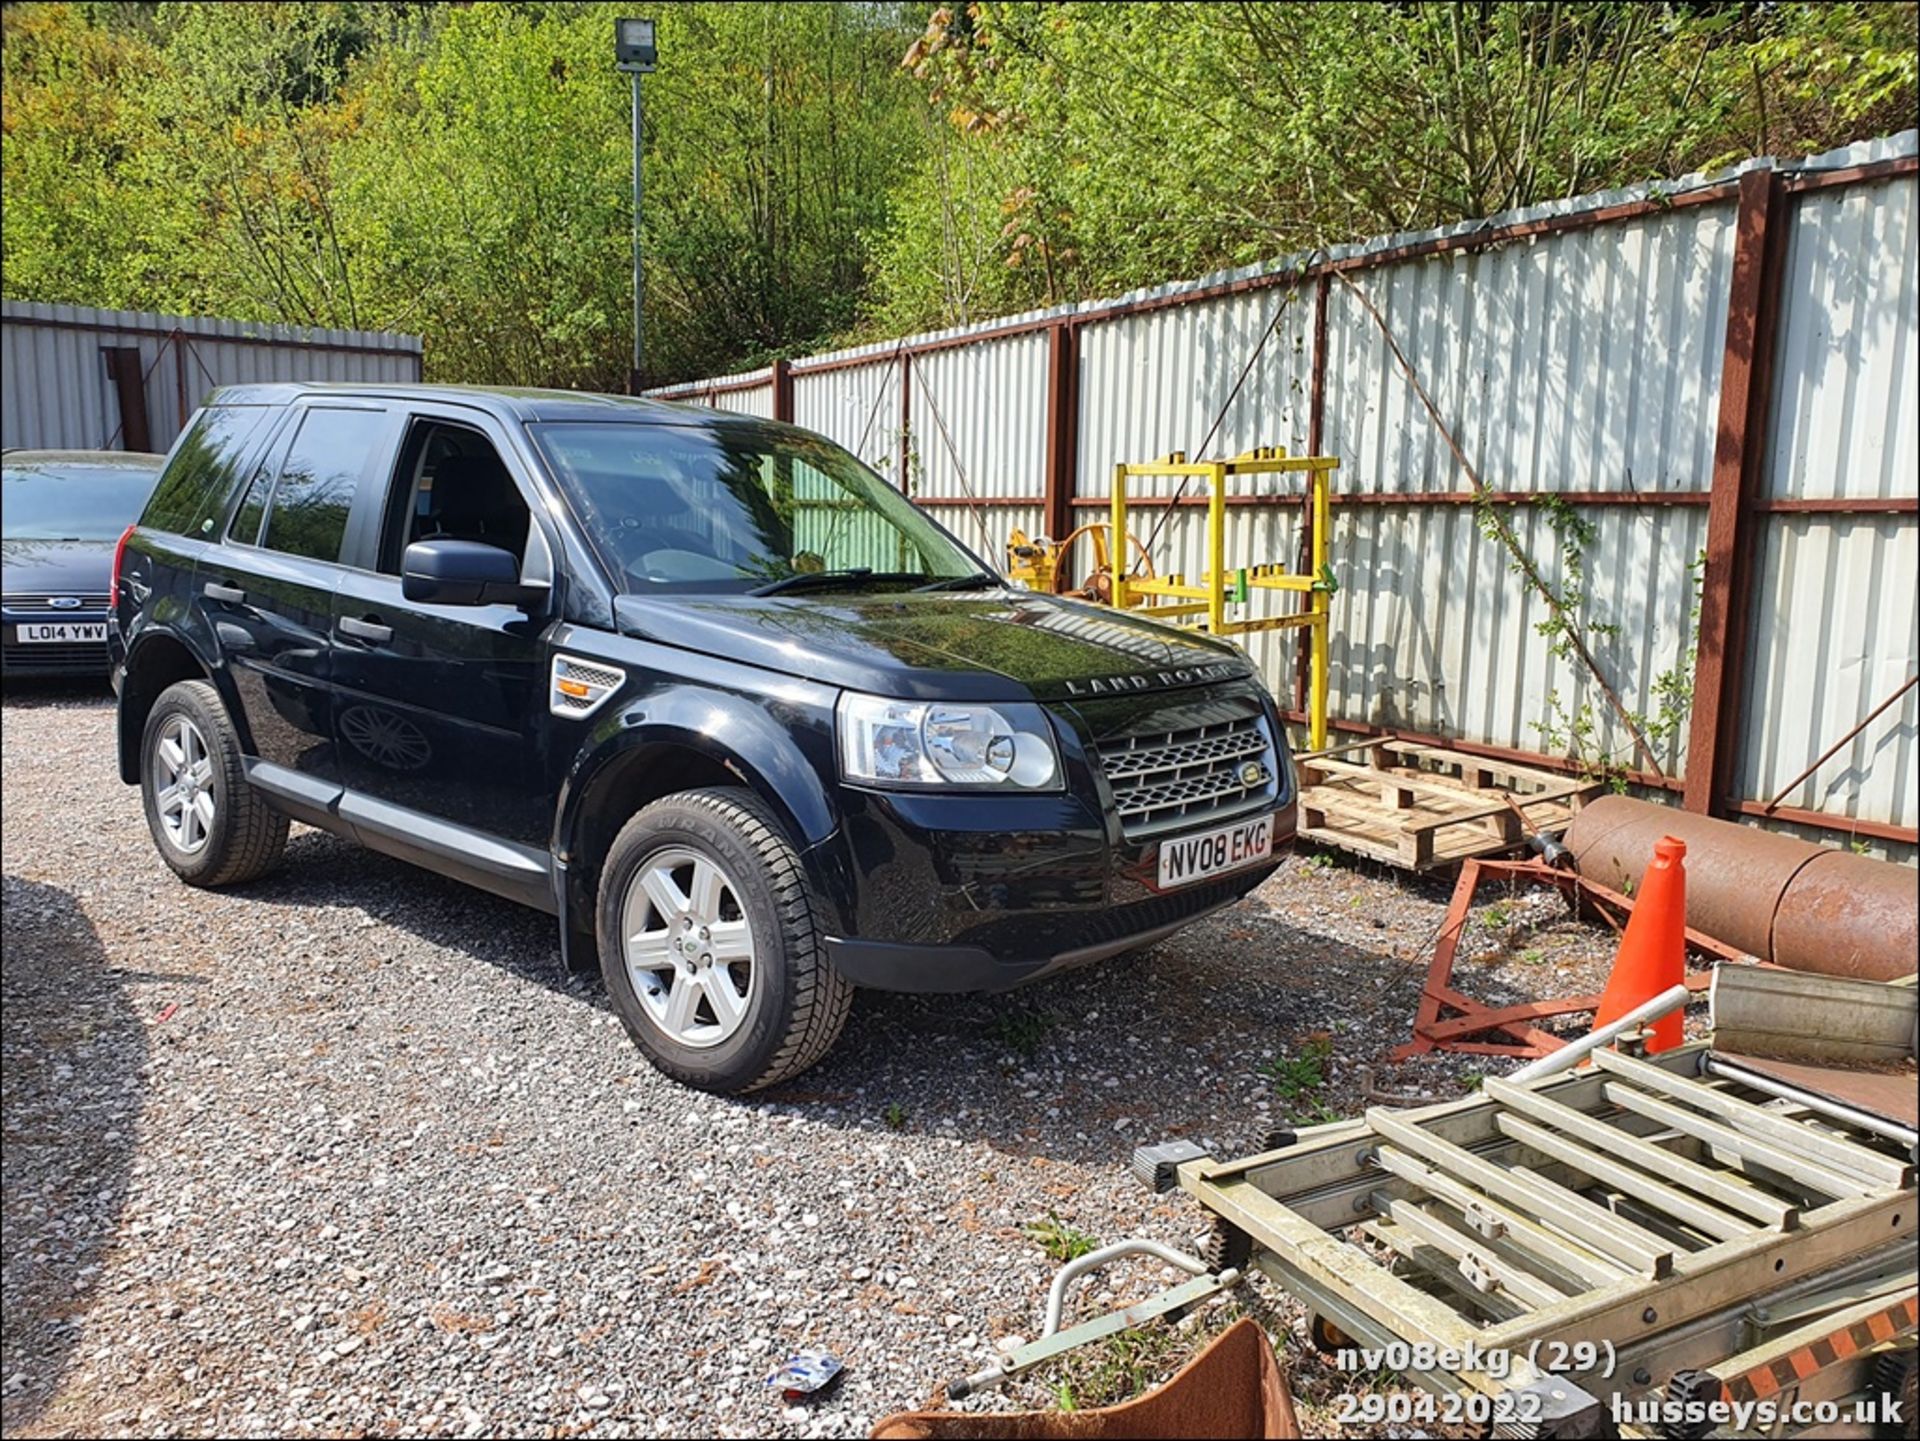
column 463, row 572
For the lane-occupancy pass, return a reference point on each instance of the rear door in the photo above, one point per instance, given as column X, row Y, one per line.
column 442, row 709
column 268, row 591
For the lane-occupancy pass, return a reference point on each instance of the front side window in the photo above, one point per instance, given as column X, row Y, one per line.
column 740, row 509
column 317, row 480
column 452, row 485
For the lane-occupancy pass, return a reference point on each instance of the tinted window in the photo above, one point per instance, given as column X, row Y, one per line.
column 246, row 520
column 72, row 502
column 204, row 468
column 737, row 508
column 317, row 479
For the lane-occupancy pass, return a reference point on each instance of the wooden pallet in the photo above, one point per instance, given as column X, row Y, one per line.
column 1418, row 807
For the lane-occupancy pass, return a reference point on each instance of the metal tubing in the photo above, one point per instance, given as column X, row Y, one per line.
column 1802, row 906
column 1848, row 915
column 1592, row 1225
column 1667, row 1200
column 1321, row 605
column 1093, row 1260
column 1559, row 1252
column 1216, row 550
column 639, row 274
column 1833, row 1110
column 1514, row 1280
column 1740, row 439
column 1787, row 1161
column 1571, row 1055
column 1837, row 1152
column 1826, row 755
column 1598, row 1136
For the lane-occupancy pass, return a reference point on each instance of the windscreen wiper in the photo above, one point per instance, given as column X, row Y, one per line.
column 823, row 579
column 978, row 580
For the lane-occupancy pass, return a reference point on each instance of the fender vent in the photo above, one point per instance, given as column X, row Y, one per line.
column 579, row 687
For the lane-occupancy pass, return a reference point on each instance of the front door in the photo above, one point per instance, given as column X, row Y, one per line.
column 441, row 709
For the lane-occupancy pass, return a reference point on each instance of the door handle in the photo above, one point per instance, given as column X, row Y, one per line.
column 366, row 630
column 216, row 590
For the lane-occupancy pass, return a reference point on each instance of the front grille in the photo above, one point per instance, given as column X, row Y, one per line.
column 44, row 605
column 1176, row 779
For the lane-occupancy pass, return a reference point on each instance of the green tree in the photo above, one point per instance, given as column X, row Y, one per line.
column 819, row 172
column 1138, row 143
column 88, row 218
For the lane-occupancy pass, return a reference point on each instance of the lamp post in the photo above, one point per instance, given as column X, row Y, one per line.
column 634, row 52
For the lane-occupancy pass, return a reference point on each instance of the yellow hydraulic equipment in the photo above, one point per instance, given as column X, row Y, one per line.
column 1221, row 585
column 1037, row 562
column 1133, row 584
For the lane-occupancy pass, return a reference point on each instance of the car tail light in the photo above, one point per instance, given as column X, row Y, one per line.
column 119, row 552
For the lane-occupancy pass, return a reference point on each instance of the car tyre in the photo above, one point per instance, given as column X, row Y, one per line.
column 692, row 884
column 210, row 826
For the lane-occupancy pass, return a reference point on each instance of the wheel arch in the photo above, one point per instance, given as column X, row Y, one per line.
column 156, row 660
column 643, row 763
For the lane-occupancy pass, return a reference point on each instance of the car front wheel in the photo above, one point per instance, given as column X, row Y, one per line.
column 709, row 948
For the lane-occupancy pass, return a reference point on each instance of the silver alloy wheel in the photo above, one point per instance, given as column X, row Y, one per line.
column 184, row 790
column 688, row 947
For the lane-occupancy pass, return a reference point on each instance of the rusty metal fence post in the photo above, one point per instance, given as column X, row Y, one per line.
column 1063, row 427
column 1739, row 455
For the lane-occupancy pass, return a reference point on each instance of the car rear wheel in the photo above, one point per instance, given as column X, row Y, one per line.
column 709, row 947
column 211, row 827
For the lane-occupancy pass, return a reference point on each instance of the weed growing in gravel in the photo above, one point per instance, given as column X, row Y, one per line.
column 1059, row 1240
column 1121, row 1367
column 1318, row 861
column 1534, row 958
column 1496, row 917
column 1472, row 1079
column 895, row 1116
column 1299, row 1078
column 1022, row 1031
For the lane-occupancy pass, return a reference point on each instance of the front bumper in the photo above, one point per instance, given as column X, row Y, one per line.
column 945, row 892
column 78, row 658
column 1091, row 936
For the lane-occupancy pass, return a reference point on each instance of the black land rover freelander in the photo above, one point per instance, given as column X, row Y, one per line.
column 751, row 725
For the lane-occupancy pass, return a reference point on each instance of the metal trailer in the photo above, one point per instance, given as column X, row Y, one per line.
column 1653, row 1229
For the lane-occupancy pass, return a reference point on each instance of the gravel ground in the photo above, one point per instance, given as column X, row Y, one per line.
column 343, row 1153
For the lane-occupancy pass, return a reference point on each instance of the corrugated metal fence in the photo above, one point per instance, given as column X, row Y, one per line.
column 81, row 379
column 1693, row 402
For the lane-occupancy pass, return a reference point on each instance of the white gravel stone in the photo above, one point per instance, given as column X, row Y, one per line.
column 384, row 1168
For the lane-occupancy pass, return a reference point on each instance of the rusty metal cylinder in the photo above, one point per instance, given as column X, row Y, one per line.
column 1784, row 900
column 1856, row 914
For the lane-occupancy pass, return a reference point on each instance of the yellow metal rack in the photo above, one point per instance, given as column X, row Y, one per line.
column 1204, row 605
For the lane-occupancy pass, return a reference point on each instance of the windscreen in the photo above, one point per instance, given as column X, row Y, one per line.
column 79, row 502
column 739, row 509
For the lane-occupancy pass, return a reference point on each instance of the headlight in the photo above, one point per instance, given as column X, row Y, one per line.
column 945, row 744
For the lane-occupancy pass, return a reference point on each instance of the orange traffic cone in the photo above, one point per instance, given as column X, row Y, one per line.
column 1653, row 952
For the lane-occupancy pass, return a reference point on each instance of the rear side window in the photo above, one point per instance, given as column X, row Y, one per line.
column 310, row 504
column 204, row 469
column 253, row 509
